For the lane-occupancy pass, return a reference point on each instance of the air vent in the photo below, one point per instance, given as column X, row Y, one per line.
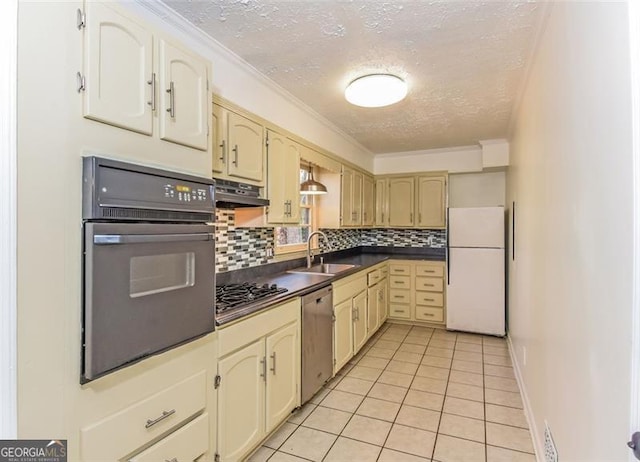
column 153, row 215
column 550, row 452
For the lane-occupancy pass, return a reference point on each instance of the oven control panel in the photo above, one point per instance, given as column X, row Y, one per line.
column 186, row 193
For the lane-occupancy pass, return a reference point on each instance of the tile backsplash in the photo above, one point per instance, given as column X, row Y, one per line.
column 238, row 248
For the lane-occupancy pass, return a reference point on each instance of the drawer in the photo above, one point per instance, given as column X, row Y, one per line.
column 400, row 269
column 187, row 443
column 353, row 286
column 424, row 283
column 399, row 311
column 429, row 298
column 430, row 270
column 425, row 313
column 373, row 277
column 399, row 296
column 400, row 282
column 125, row 431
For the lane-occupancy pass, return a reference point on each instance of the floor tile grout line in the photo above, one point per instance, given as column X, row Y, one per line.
column 433, row 452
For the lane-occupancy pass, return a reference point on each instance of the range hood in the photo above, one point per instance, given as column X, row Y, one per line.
column 231, row 195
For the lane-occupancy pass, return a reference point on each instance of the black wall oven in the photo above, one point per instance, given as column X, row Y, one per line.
column 148, row 262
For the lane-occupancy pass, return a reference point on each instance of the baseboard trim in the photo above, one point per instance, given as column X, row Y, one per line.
column 538, row 444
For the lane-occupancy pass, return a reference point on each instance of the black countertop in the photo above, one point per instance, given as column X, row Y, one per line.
column 301, row 284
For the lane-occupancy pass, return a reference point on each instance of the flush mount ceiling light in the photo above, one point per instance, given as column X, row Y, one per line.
column 311, row 186
column 376, row 90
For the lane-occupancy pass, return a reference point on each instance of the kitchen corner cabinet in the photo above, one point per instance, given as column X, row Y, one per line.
column 131, row 74
column 258, row 378
column 283, row 179
column 411, row 201
column 416, row 291
column 238, row 147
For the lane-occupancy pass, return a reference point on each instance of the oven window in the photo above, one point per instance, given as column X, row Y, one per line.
column 153, row 274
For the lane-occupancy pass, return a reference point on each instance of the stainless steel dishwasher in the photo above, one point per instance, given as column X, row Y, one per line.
column 317, row 341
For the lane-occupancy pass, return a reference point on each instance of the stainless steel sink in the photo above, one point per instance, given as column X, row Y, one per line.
column 324, row 269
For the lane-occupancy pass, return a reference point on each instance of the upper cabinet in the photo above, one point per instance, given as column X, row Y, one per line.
column 368, row 201
column 401, row 201
column 430, row 201
column 131, row 75
column 411, row 201
column 283, row 179
column 238, row 147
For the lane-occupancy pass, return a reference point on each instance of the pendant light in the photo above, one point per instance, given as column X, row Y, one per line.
column 311, row 186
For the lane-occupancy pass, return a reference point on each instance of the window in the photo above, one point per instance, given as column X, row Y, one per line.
column 294, row 238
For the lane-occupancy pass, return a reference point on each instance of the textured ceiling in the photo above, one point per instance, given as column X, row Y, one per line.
column 463, row 61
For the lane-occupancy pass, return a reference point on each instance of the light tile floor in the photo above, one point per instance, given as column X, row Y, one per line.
column 412, row 394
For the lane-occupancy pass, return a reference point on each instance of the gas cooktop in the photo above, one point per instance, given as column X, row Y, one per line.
column 236, row 300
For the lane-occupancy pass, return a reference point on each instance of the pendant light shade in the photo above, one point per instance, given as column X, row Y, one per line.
column 311, row 186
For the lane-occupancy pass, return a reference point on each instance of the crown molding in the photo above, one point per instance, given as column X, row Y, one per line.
column 175, row 20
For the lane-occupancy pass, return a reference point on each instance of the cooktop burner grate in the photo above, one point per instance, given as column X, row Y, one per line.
column 230, row 296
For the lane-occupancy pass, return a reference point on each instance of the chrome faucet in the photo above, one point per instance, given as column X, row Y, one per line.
column 310, row 257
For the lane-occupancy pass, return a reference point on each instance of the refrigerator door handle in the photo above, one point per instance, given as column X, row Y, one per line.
column 447, row 253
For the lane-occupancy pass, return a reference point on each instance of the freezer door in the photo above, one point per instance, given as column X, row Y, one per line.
column 476, row 227
column 475, row 291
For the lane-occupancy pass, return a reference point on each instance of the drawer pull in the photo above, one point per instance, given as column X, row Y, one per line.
column 150, row 423
column 398, row 296
column 399, row 282
column 431, row 315
column 175, row 459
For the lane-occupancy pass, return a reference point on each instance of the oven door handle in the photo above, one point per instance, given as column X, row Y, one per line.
column 115, row 239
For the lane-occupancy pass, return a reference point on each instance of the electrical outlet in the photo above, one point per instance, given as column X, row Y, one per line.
column 550, row 452
column 524, row 355
column 269, row 252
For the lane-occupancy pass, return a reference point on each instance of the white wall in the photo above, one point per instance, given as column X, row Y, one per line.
column 571, row 283
column 477, row 189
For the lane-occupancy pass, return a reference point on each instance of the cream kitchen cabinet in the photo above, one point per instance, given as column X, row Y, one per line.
column 283, row 179
column 416, row 291
column 382, row 202
column 351, row 197
column 411, row 201
column 350, row 317
column 258, row 378
column 431, row 201
column 401, row 201
column 238, row 151
column 130, row 73
column 376, row 298
column 368, row 201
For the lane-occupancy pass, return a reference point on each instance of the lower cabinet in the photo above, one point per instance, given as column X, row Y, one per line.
column 342, row 334
column 359, row 320
column 416, row 291
column 258, row 378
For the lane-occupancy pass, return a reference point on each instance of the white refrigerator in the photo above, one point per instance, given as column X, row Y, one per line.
column 476, row 270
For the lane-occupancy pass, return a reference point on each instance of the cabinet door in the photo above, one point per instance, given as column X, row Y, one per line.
column 245, row 148
column 360, row 321
column 220, row 147
column 356, row 198
column 368, row 199
column 183, row 97
column 118, row 66
column 372, row 309
column 291, row 181
column 431, row 201
column 382, row 202
column 383, row 302
column 347, row 217
column 342, row 334
column 241, row 401
column 276, row 160
column 401, row 201
column 283, row 374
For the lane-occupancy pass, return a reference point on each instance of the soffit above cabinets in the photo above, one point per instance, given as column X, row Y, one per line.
column 464, row 61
